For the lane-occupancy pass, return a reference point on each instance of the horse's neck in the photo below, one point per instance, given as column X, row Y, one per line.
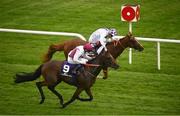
column 96, row 70
column 124, row 42
column 120, row 47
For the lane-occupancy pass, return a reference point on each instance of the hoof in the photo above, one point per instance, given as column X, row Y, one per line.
column 42, row 101
column 61, row 103
column 105, row 77
column 63, row 106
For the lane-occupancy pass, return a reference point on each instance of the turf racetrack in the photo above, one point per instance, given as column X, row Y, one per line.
column 133, row 89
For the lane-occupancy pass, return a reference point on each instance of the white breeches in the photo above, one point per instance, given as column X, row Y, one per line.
column 100, row 49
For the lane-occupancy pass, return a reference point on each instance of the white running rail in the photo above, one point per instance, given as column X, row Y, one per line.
column 43, row 32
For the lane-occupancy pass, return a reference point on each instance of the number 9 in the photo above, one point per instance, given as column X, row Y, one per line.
column 66, row 68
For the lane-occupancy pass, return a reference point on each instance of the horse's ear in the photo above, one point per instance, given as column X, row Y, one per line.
column 129, row 34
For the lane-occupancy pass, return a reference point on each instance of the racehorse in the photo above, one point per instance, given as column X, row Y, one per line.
column 115, row 48
column 83, row 81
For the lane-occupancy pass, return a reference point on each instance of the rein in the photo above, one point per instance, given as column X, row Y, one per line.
column 95, row 65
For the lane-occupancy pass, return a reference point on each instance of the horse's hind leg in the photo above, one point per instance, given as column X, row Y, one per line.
column 88, row 91
column 39, row 86
column 105, row 71
column 74, row 97
column 52, row 88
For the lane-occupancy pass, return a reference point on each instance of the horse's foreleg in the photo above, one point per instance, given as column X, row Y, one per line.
column 52, row 89
column 105, row 71
column 88, row 91
column 57, row 94
column 74, row 97
column 39, row 86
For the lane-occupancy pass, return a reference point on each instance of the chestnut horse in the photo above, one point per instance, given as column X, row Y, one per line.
column 115, row 48
column 52, row 77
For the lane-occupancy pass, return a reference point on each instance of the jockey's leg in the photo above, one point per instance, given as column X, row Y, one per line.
column 76, row 68
column 100, row 49
column 73, row 65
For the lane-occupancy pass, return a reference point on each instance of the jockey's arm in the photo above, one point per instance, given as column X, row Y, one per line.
column 90, row 56
column 77, row 58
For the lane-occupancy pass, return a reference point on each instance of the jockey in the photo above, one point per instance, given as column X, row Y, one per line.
column 81, row 55
column 101, row 37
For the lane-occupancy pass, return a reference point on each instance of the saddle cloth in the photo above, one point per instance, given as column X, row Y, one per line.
column 66, row 69
column 67, row 72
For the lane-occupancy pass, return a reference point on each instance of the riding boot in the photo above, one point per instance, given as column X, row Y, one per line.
column 76, row 68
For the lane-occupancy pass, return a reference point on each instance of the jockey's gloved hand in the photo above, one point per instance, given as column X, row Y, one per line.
column 84, row 61
column 105, row 49
column 94, row 52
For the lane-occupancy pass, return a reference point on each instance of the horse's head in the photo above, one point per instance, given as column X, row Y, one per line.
column 133, row 43
column 107, row 60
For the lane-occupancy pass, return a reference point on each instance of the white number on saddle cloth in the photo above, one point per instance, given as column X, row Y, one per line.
column 66, row 68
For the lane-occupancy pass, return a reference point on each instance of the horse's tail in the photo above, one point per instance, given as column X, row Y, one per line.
column 52, row 49
column 23, row 77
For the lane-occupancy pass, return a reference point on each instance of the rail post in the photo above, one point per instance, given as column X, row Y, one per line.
column 130, row 49
column 158, row 56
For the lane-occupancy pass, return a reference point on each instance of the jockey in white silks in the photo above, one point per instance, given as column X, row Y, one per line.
column 81, row 55
column 101, row 37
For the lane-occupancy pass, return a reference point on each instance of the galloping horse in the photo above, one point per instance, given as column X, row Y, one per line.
column 52, row 77
column 115, row 48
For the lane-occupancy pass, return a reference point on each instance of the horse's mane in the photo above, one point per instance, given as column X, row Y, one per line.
column 111, row 43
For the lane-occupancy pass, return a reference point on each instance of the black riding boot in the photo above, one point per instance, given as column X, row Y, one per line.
column 76, row 69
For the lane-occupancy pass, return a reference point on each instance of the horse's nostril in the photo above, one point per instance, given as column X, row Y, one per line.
column 116, row 66
column 142, row 49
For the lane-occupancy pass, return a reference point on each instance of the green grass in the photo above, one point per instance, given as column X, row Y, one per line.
column 133, row 89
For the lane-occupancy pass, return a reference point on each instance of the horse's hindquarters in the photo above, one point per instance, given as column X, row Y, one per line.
column 50, row 71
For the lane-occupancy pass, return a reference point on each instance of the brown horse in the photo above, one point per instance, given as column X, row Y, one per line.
column 52, row 77
column 115, row 48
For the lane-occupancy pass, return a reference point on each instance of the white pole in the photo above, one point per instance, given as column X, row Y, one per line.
column 158, row 56
column 130, row 49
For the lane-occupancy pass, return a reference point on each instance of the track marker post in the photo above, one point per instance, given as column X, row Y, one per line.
column 130, row 13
